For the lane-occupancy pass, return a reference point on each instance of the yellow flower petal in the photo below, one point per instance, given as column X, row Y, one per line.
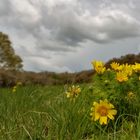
column 113, row 112
column 110, row 116
column 97, row 116
column 95, row 103
column 111, row 105
column 103, row 120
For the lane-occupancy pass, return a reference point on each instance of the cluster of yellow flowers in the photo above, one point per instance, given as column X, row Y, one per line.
column 15, row 87
column 73, row 91
column 125, row 70
column 103, row 110
column 100, row 111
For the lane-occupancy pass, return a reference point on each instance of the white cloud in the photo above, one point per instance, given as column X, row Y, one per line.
column 25, row 11
column 42, row 64
column 52, row 34
column 112, row 24
column 105, row 26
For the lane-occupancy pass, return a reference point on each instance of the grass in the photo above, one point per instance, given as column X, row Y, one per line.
column 23, row 114
column 44, row 113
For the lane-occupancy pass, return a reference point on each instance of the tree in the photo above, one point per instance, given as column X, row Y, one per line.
column 8, row 59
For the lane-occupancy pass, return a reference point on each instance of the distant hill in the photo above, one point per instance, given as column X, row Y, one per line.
column 129, row 58
column 10, row 78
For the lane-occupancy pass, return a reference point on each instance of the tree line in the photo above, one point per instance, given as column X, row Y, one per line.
column 11, row 69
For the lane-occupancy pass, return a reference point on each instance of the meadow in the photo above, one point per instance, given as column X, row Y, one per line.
column 68, row 112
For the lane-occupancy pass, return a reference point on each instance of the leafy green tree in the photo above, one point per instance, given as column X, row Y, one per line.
column 8, row 59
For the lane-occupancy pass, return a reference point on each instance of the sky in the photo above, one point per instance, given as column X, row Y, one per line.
column 66, row 35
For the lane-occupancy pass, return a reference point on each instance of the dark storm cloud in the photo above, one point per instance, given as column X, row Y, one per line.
column 69, row 23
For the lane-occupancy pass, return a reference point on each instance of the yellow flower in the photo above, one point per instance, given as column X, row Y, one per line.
column 121, row 67
column 19, row 83
column 106, row 81
column 121, row 76
column 14, row 89
column 108, row 69
column 73, row 91
column 130, row 96
column 115, row 66
column 136, row 67
column 68, row 94
column 98, row 66
column 128, row 69
column 102, row 111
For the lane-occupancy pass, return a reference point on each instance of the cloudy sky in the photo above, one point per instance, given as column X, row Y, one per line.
column 66, row 35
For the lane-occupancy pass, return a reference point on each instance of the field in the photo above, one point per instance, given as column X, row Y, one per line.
column 24, row 113
column 106, row 109
column 40, row 113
